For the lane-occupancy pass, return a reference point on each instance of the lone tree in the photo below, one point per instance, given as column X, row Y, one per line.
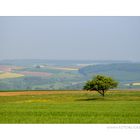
column 101, row 84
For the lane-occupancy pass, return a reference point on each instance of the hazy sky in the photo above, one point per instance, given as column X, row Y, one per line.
column 90, row 38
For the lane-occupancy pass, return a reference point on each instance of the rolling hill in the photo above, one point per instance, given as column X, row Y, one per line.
column 123, row 72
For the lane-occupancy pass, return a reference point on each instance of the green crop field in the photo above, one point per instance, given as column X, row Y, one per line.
column 71, row 107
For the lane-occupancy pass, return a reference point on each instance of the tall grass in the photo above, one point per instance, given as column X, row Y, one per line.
column 71, row 107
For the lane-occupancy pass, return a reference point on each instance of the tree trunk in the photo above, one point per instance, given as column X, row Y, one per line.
column 103, row 93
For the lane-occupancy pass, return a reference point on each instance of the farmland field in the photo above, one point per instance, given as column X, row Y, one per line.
column 41, row 74
column 64, row 75
column 10, row 75
column 118, row 106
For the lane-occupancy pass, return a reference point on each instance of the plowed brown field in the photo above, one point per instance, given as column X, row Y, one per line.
column 14, row 93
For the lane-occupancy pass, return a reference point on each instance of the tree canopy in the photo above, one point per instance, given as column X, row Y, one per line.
column 101, row 84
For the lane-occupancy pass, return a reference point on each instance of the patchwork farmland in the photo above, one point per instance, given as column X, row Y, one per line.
column 41, row 74
column 64, row 75
column 10, row 75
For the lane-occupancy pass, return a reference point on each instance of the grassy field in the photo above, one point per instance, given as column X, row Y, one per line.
column 70, row 107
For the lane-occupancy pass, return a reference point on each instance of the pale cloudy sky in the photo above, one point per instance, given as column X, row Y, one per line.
column 90, row 38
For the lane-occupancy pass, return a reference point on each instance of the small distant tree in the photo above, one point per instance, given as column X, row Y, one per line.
column 101, row 84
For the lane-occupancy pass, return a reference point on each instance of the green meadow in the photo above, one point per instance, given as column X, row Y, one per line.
column 70, row 107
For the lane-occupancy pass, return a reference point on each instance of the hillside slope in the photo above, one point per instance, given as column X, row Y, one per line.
column 123, row 72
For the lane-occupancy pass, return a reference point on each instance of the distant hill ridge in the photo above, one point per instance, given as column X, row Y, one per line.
column 121, row 71
column 25, row 62
column 131, row 67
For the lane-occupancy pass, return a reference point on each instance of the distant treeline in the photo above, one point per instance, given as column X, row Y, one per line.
column 124, row 72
